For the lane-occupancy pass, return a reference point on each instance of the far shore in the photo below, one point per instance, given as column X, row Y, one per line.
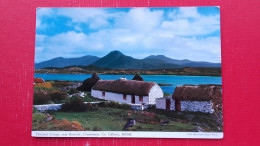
column 187, row 71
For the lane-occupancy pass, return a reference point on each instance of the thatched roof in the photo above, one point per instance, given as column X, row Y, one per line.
column 137, row 77
column 131, row 87
column 89, row 83
column 198, row 92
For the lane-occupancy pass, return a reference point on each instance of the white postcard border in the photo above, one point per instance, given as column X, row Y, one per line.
column 127, row 134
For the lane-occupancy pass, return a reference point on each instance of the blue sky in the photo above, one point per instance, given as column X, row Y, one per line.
column 180, row 33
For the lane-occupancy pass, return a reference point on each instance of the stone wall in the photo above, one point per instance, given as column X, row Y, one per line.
column 197, row 106
column 140, row 106
column 54, row 107
column 46, row 107
column 193, row 106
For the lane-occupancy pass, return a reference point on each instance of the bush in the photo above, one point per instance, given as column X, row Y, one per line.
column 43, row 85
column 96, row 128
column 77, row 104
column 60, row 84
column 113, row 104
column 72, row 91
column 166, row 94
column 35, row 110
column 57, row 95
column 153, row 107
column 65, row 125
column 40, row 97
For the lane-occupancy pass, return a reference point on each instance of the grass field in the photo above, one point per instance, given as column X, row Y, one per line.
column 112, row 119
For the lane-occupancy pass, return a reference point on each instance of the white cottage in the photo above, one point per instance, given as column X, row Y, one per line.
column 196, row 98
column 127, row 91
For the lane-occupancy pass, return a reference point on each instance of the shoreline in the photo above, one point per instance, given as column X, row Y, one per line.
column 187, row 71
column 130, row 74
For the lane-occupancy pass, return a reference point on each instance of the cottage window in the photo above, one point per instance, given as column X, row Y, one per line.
column 103, row 94
column 141, row 98
column 124, row 96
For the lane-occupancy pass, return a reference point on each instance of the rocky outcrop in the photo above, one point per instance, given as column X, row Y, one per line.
column 138, row 78
column 89, row 83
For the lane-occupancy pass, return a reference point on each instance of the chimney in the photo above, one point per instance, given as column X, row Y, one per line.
column 122, row 78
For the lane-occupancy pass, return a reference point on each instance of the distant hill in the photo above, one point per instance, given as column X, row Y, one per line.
column 64, row 62
column 167, row 59
column 184, row 62
column 117, row 60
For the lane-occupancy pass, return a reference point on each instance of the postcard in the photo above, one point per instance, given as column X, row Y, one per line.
column 128, row 72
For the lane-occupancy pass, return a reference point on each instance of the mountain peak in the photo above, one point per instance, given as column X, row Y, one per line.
column 115, row 52
column 155, row 56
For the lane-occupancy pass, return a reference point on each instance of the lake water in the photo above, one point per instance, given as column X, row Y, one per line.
column 166, row 79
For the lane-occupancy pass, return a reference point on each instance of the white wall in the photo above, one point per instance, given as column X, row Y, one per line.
column 161, row 103
column 118, row 97
column 155, row 92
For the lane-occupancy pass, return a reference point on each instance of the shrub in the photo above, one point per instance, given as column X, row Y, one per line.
column 113, row 104
column 40, row 97
column 77, row 104
column 38, row 117
column 44, row 85
column 35, row 110
column 166, row 94
column 65, row 125
column 153, row 107
column 96, row 128
column 61, row 83
column 57, row 95
column 72, row 91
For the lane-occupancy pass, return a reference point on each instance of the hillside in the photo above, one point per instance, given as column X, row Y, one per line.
column 64, row 62
column 184, row 62
column 117, row 60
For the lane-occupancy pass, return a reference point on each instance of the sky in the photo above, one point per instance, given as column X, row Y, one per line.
column 177, row 32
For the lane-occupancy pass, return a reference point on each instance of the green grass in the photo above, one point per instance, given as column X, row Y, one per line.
column 205, row 120
column 104, row 118
column 37, row 123
column 166, row 94
column 89, row 98
column 112, row 119
column 172, row 126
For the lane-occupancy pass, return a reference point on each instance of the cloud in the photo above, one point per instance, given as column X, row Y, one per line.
column 65, row 44
column 81, row 14
column 182, row 33
column 40, row 13
column 188, row 12
column 140, row 19
column 188, row 22
column 94, row 17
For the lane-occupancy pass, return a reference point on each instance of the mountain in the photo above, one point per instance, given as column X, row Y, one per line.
column 117, row 60
column 63, row 62
column 184, row 62
column 167, row 59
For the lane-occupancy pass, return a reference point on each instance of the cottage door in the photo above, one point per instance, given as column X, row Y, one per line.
column 168, row 104
column 177, row 105
column 133, row 99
